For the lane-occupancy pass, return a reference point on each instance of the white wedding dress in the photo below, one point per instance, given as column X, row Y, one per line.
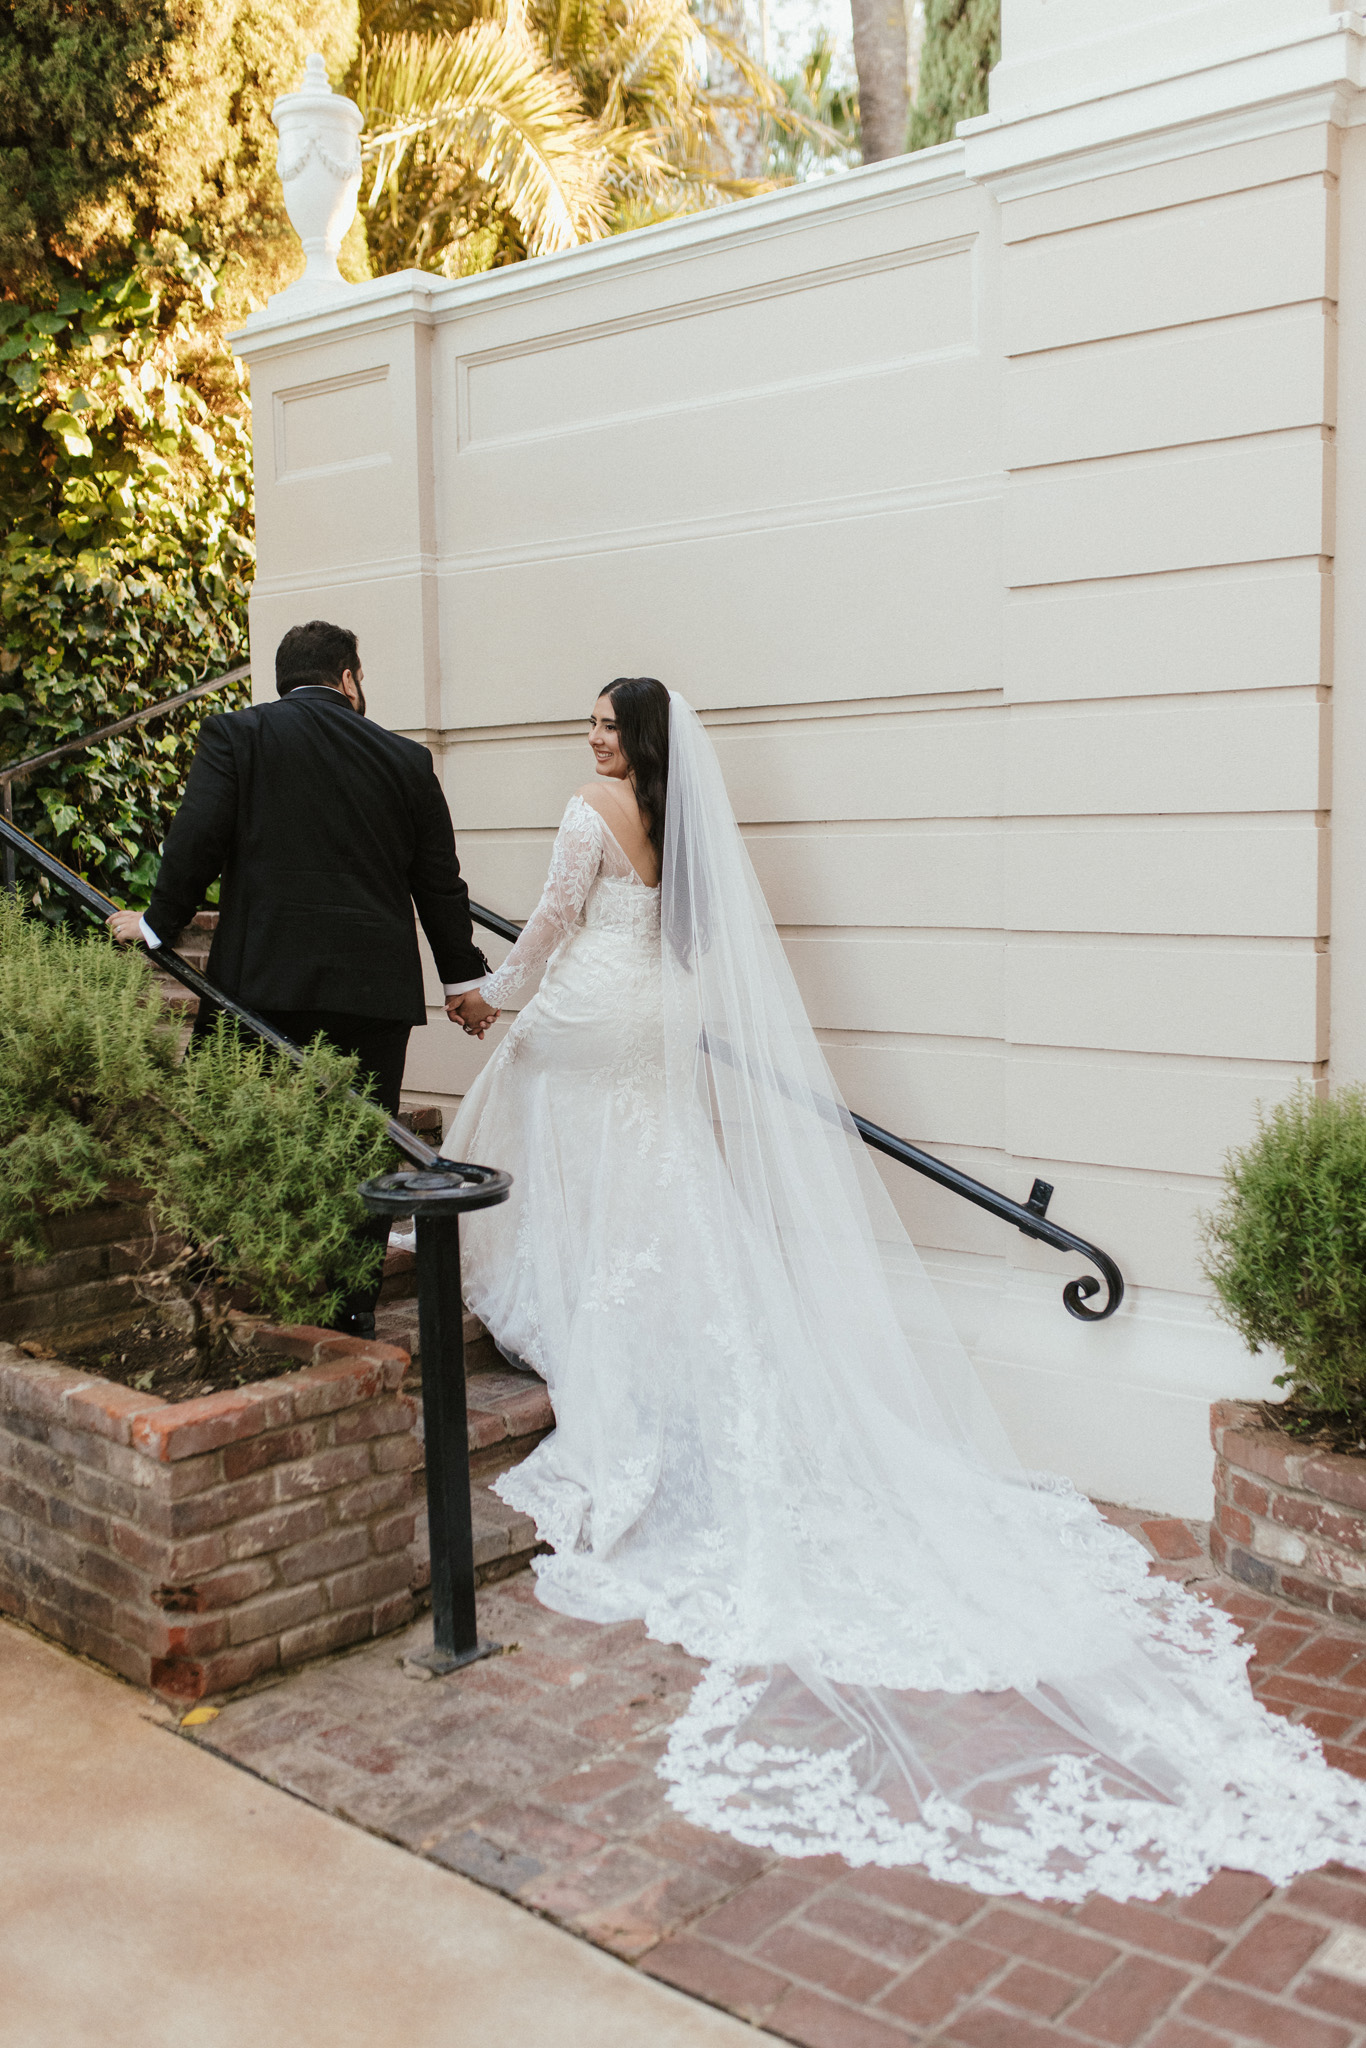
column 770, row 1447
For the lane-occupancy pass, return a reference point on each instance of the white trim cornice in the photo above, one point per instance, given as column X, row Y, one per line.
column 384, row 302
column 1265, row 89
column 1318, row 77
column 420, row 295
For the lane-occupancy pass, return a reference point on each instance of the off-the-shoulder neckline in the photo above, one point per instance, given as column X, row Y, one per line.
column 595, row 812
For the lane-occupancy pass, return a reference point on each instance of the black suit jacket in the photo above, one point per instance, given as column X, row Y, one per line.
column 326, row 830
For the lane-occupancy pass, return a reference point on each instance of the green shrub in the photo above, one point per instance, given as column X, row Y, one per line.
column 82, row 1053
column 1286, row 1250
column 262, row 1167
column 252, row 1160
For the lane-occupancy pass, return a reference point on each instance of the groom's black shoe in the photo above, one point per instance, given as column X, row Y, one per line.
column 354, row 1323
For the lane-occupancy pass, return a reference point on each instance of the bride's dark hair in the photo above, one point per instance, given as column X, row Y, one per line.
column 641, row 706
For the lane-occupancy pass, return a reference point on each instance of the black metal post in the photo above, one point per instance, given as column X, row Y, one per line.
column 436, row 1201
column 7, row 804
column 441, row 1334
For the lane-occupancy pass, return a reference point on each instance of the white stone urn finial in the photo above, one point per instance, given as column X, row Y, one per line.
column 319, row 166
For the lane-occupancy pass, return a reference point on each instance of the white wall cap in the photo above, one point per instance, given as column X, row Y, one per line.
column 1264, row 90
column 1056, row 51
column 423, row 295
column 359, row 308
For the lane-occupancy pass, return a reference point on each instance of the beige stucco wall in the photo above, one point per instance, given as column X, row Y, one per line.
column 985, row 503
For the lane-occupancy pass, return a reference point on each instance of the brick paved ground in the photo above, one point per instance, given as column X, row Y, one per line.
column 533, row 1773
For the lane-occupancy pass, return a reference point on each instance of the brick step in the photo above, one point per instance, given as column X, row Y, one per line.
column 396, row 1323
column 509, row 1413
column 192, row 946
column 504, row 1541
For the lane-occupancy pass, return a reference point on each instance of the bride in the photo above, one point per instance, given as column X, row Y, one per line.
column 770, row 1446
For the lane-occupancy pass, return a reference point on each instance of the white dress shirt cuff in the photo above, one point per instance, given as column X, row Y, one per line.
column 462, row 988
column 149, row 937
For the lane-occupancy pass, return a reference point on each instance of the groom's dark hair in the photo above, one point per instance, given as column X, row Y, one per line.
column 315, row 653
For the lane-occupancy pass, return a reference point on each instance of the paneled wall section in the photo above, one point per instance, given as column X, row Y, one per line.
column 989, row 524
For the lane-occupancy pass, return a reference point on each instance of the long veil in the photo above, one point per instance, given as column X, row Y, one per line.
column 919, row 1653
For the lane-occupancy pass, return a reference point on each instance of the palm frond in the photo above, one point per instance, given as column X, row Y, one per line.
column 482, row 108
column 499, row 128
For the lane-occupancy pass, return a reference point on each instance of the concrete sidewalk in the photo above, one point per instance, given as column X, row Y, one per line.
column 152, row 1894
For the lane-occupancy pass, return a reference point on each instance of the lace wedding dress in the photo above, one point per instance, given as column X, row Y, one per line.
column 771, row 1448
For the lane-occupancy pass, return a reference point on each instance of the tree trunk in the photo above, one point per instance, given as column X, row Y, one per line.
column 880, row 58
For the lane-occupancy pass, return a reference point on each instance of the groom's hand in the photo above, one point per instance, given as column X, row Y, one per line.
column 126, row 926
column 471, row 1012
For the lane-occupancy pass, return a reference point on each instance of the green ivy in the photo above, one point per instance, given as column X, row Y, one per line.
column 126, row 562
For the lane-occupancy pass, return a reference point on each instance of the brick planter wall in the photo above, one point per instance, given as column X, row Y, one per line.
column 194, row 1545
column 85, row 1287
column 1289, row 1524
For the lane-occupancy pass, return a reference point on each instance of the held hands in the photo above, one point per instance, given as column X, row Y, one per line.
column 125, row 926
column 471, row 1012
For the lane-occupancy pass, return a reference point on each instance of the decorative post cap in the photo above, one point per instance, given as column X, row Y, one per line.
column 320, row 169
column 315, row 76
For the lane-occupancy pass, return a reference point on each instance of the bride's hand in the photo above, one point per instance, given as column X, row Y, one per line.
column 471, row 1013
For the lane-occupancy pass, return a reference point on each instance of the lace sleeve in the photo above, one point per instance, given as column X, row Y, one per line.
column 574, row 865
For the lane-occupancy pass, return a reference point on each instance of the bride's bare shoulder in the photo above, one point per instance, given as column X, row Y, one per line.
column 617, row 808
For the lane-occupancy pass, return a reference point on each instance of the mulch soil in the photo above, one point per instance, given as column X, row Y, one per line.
column 1309, row 1430
column 155, row 1356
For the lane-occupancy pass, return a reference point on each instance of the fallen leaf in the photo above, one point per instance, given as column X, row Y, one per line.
column 197, row 1716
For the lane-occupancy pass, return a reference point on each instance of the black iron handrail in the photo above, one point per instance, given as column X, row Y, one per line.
column 91, row 899
column 8, row 776
column 1029, row 1217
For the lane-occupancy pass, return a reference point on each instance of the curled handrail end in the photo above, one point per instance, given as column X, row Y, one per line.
column 1077, row 1293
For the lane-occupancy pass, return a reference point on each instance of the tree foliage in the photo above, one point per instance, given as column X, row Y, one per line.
column 1286, row 1250
column 253, row 1160
column 962, row 44
column 140, row 217
column 497, row 129
column 481, row 148
column 125, row 471
column 676, row 97
column 828, row 108
column 123, row 118
column 79, row 85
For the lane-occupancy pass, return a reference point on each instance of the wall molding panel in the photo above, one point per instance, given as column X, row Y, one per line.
column 1002, row 508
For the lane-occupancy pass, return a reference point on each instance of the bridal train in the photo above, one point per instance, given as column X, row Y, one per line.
column 771, row 1448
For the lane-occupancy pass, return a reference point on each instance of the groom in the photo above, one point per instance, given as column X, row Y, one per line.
column 327, row 831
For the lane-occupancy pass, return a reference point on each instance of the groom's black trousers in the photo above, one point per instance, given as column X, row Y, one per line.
column 381, row 1049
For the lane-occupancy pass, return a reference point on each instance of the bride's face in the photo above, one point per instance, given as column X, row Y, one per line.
column 605, row 742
